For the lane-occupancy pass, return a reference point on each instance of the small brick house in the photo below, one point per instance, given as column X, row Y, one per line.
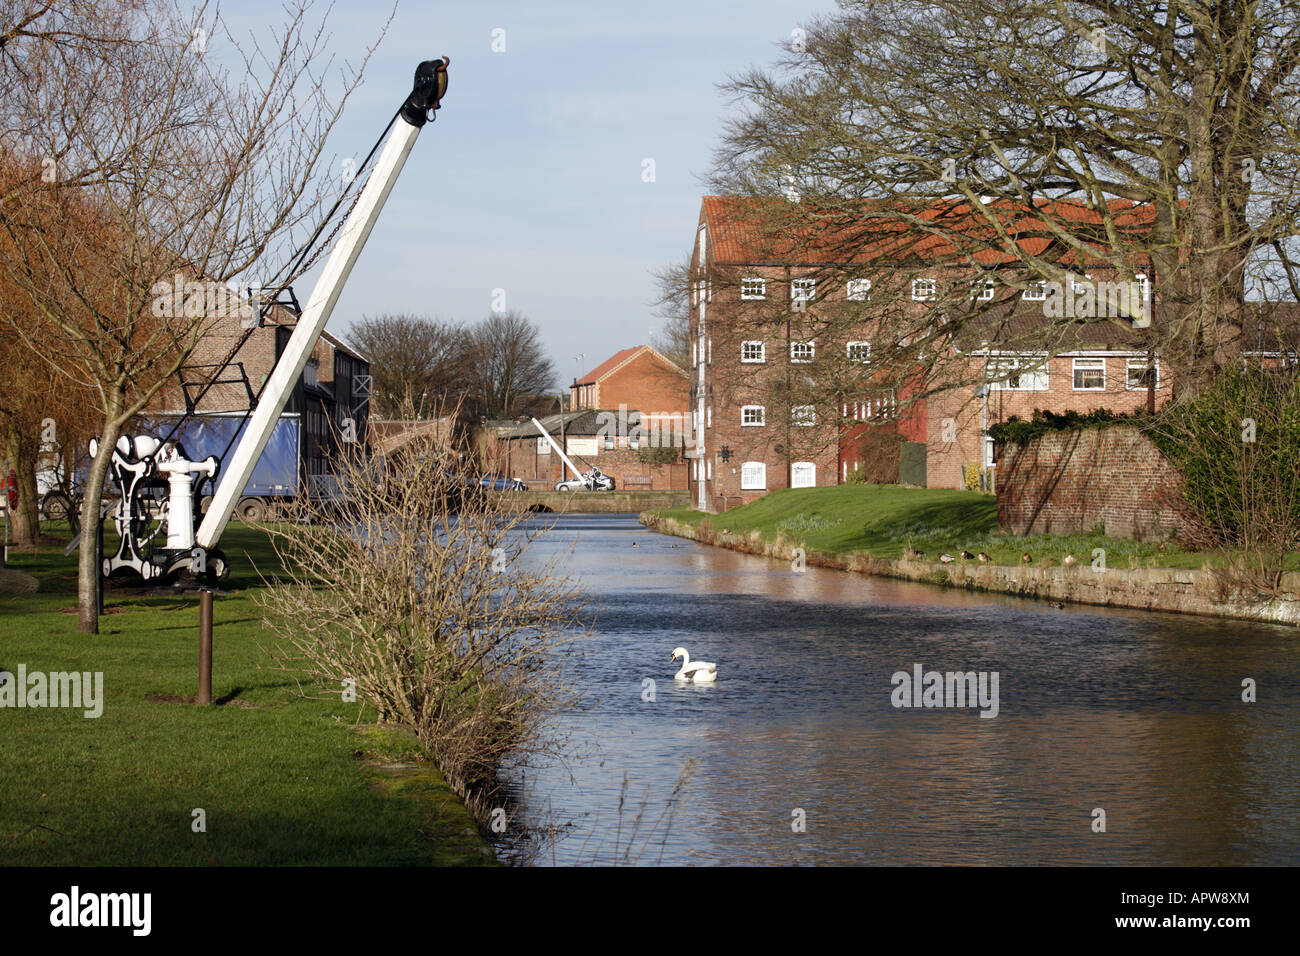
column 639, row 378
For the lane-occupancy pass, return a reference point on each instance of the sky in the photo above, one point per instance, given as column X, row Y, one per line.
column 531, row 178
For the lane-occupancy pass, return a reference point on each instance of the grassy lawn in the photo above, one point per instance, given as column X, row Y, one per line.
column 883, row 520
column 281, row 779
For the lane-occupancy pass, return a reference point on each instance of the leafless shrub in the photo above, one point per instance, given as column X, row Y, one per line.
column 415, row 591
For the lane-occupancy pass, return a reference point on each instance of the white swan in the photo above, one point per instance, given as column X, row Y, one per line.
column 701, row 672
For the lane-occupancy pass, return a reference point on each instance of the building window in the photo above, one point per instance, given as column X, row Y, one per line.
column 609, row 443
column 695, row 469
column 752, row 415
column 709, row 469
column 1139, row 375
column 1081, row 285
column 752, row 352
column 1089, row 374
column 859, row 290
column 802, row 352
column 1017, row 373
column 803, row 415
column 753, row 476
column 803, row 474
column 859, row 352
column 753, row 288
column 803, row 290
column 923, row 290
column 710, row 416
column 988, row 452
column 1035, row 292
column 710, row 353
column 983, row 290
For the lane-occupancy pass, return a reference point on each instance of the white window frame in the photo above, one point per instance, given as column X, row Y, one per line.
column 983, row 290
column 709, row 360
column 1140, row 364
column 708, row 469
column 1092, row 364
column 753, row 476
column 709, row 417
column 863, row 360
column 1034, row 368
column 1035, row 291
column 806, row 466
column 762, row 352
column 858, row 290
column 753, row 411
column 812, row 352
column 922, row 296
column 1080, row 286
column 803, row 416
column 753, row 295
column 803, row 290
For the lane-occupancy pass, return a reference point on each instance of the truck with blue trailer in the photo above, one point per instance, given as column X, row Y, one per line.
column 276, row 478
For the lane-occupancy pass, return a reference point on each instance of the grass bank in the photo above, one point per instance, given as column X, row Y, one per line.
column 883, row 521
column 281, row 780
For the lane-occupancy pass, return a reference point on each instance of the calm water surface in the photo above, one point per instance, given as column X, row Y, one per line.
column 1136, row 713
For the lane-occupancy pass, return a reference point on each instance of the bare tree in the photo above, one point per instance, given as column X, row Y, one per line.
column 673, row 306
column 509, row 363
column 1025, row 141
column 415, row 356
column 190, row 159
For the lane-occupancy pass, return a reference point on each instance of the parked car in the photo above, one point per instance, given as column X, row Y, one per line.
column 593, row 480
column 495, row 481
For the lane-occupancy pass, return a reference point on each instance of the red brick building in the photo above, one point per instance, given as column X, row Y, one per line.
column 638, row 378
column 767, row 310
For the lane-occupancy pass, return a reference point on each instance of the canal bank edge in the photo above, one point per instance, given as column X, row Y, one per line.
column 1150, row 589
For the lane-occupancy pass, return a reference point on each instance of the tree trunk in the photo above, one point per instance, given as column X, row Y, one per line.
column 87, row 564
column 24, row 520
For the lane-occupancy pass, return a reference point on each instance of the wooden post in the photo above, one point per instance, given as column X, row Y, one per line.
column 205, row 647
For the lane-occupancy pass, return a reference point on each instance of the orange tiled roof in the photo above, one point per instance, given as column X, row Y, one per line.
column 757, row 230
column 611, row 363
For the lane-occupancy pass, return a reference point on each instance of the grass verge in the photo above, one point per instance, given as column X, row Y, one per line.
column 281, row 780
column 885, row 520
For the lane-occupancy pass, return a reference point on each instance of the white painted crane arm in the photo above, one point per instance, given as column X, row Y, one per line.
column 430, row 82
column 558, row 450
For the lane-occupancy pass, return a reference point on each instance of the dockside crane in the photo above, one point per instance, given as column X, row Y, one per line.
column 142, row 457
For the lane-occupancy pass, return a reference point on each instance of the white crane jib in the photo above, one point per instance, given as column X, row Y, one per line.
column 430, row 85
column 558, row 450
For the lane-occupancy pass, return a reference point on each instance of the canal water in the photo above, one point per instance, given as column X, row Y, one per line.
column 797, row 755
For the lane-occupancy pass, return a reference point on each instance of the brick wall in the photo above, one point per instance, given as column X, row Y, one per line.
column 1069, row 482
column 647, row 382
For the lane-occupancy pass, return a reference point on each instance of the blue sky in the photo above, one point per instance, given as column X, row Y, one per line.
column 530, row 179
